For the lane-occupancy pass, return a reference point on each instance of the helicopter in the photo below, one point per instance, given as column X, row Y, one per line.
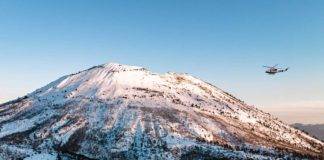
column 274, row 69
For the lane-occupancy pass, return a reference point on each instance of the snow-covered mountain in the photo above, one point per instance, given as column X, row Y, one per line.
column 127, row 112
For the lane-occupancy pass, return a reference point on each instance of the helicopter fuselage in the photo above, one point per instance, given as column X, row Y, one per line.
column 273, row 71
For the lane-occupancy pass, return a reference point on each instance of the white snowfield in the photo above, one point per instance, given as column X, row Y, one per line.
column 127, row 112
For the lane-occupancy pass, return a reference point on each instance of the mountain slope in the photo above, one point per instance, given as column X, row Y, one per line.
column 118, row 111
column 316, row 130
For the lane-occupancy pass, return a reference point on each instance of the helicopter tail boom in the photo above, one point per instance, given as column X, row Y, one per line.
column 283, row 70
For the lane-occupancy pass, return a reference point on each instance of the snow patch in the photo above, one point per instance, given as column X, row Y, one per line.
column 42, row 156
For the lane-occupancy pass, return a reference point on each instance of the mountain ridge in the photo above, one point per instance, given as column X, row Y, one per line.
column 316, row 130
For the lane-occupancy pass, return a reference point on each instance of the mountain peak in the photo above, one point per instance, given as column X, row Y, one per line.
column 121, row 67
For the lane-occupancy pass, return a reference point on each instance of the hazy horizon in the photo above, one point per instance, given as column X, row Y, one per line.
column 225, row 43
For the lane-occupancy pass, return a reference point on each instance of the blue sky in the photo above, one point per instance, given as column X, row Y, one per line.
column 223, row 42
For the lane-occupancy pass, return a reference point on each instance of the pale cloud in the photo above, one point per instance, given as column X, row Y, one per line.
column 307, row 112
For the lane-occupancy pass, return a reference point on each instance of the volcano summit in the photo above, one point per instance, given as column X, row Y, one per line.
column 127, row 112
